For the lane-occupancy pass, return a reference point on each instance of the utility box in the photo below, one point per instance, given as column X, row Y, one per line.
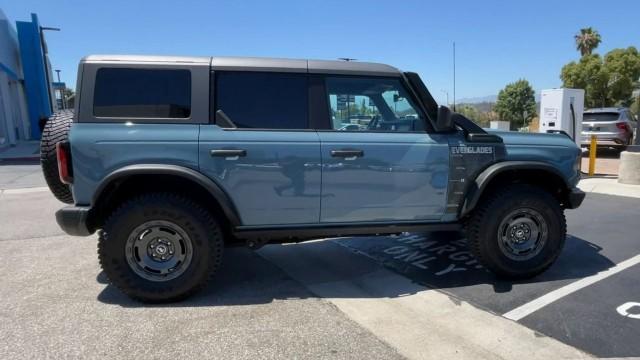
column 561, row 110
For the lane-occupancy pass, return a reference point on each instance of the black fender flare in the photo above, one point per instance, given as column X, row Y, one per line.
column 479, row 185
column 211, row 186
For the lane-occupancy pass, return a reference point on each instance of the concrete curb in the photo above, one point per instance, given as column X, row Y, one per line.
column 21, row 158
column 22, row 151
column 609, row 186
column 629, row 170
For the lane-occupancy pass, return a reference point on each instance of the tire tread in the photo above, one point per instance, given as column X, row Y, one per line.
column 214, row 237
column 55, row 131
column 474, row 224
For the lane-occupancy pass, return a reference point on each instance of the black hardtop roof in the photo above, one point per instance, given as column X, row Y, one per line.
column 256, row 64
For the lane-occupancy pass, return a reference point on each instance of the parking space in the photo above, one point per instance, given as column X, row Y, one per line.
column 603, row 318
column 55, row 292
column 602, row 235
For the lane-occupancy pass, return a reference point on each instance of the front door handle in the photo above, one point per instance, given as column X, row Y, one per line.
column 347, row 154
column 228, row 153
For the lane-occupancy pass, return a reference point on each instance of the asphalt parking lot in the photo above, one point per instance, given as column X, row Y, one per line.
column 58, row 304
column 290, row 300
column 602, row 235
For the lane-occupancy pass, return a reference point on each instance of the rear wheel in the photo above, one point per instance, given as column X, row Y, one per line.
column 517, row 232
column 55, row 130
column 160, row 247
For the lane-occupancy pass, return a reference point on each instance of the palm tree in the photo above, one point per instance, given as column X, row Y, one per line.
column 587, row 40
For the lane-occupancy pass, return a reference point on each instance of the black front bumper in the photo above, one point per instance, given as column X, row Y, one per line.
column 74, row 220
column 575, row 198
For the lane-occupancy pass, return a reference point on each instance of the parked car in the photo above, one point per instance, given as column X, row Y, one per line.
column 170, row 159
column 351, row 127
column 613, row 127
column 360, row 119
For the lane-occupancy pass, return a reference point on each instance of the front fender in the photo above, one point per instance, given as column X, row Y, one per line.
column 480, row 184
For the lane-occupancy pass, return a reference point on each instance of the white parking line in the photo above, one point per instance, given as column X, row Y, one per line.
column 24, row 190
column 537, row 304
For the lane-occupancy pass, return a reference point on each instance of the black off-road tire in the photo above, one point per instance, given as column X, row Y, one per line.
column 483, row 230
column 198, row 224
column 55, row 130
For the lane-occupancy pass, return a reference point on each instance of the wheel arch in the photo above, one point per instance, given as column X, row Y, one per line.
column 130, row 178
column 529, row 172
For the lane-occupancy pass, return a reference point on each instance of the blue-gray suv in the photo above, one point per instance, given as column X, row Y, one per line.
column 171, row 159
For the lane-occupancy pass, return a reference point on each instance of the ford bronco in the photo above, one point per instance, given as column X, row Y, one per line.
column 171, row 159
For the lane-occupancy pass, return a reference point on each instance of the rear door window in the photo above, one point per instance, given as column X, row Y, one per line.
column 258, row 100
column 601, row 116
column 142, row 93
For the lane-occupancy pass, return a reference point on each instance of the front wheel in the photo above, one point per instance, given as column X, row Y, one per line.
column 160, row 247
column 518, row 231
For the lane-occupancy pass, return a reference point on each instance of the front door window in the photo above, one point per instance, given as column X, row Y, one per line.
column 372, row 104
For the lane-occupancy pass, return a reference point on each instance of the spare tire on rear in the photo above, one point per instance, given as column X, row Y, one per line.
column 55, row 130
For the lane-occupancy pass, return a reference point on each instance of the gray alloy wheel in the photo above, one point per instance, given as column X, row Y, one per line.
column 522, row 234
column 159, row 250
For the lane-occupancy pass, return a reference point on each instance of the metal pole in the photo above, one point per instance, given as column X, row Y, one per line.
column 446, row 93
column 62, row 99
column 592, row 155
column 454, row 76
column 45, row 52
column 637, row 133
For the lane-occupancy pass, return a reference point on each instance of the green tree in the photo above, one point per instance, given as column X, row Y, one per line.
column 623, row 67
column 635, row 107
column 469, row 111
column 517, row 103
column 363, row 107
column 587, row 40
column 607, row 81
column 589, row 74
column 480, row 113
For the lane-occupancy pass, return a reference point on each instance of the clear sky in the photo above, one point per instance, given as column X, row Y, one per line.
column 497, row 42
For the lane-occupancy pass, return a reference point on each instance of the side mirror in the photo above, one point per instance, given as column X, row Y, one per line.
column 445, row 119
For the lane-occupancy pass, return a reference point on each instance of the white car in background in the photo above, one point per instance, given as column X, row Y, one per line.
column 613, row 127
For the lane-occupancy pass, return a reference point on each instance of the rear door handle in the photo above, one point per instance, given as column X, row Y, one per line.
column 228, row 153
column 347, row 154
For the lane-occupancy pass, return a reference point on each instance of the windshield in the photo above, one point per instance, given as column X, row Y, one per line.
column 603, row 116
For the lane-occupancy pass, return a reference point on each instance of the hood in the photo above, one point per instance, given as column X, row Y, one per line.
column 525, row 138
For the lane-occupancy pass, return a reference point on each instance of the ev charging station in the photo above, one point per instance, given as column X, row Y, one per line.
column 561, row 110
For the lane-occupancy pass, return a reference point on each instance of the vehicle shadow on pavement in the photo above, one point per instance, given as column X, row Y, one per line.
column 436, row 260
column 442, row 261
column 605, row 153
column 245, row 278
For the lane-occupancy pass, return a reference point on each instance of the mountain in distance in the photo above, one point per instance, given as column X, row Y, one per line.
column 487, row 99
column 476, row 100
